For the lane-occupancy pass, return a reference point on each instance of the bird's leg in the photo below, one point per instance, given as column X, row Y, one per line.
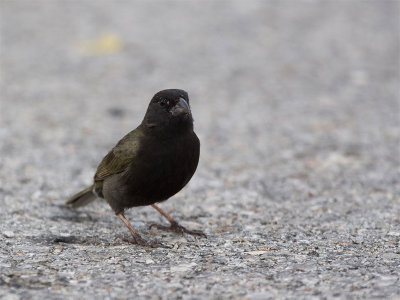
column 137, row 239
column 174, row 225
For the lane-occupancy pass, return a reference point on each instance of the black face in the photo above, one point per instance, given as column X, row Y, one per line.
column 168, row 109
column 169, row 99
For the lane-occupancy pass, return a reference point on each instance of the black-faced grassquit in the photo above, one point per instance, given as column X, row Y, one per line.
column 149, row 164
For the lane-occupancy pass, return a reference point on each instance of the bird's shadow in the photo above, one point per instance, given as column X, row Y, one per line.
column 66, row 213
column 69, row 214
column 53, row 240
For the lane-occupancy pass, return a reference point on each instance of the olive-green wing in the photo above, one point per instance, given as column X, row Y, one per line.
column 120, row 157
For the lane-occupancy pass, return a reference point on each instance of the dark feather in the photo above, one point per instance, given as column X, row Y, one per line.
column 152, row 162
column 121, row 156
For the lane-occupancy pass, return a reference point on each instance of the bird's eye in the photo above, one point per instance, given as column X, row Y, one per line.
column 164, row 102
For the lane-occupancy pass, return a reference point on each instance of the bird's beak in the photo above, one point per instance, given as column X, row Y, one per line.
column 180, row 108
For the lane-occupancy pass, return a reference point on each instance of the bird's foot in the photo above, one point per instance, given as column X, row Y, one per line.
column 136, row 238
column 175, row 227
column 139, row 241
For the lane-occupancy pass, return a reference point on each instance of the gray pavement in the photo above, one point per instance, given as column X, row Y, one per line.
column 296, row 104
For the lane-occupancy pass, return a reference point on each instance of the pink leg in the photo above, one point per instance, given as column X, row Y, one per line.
column 174, row 225
column 137, row 239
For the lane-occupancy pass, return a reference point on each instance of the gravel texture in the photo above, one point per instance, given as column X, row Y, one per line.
column 296, row 104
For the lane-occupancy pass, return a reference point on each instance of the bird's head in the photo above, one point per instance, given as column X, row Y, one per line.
column 169, row 110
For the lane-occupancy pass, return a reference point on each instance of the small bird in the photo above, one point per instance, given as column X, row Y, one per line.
column 149, row 164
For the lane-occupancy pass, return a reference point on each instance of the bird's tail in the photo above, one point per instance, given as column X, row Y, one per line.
column 82, row 198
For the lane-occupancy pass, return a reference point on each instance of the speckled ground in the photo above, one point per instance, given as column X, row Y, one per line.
column 296, row 104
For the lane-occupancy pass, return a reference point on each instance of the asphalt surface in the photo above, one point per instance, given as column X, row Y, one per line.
column 296, row 104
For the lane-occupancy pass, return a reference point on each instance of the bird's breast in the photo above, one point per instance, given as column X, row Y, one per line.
column 163, row 168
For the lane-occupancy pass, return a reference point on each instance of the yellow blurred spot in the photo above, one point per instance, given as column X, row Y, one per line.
column 106, row 43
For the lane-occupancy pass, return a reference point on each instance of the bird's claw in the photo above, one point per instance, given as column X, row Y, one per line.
column 175, row 227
